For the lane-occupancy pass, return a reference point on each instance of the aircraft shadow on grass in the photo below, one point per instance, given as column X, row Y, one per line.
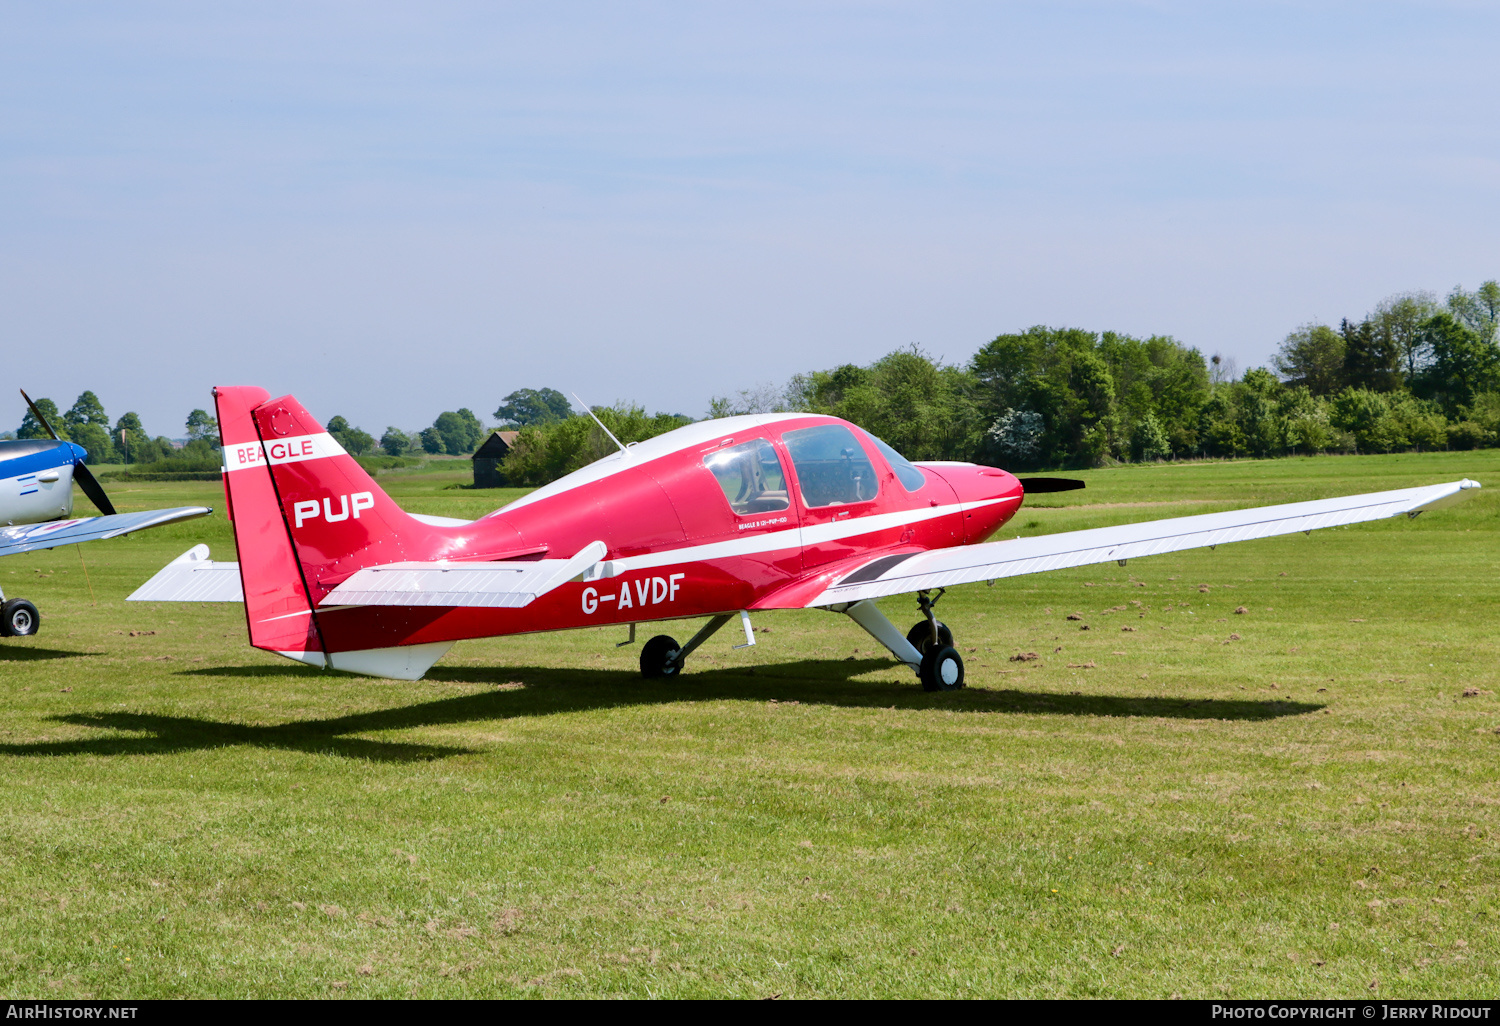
column 27, row 653
column 550, row 691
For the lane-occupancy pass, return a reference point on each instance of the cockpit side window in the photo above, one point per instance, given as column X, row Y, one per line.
column 911, row 478
column 832, row 467
column 751, row 476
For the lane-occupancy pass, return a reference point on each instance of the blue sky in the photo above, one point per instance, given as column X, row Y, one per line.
column 391, row 210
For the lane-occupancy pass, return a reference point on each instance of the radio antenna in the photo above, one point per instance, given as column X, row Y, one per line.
column 606, row 430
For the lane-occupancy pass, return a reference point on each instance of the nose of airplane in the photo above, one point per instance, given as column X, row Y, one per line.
column 78, row 452
column 990, row 496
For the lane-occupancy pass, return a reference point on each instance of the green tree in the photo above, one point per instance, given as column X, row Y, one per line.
column 1479, row 311
column 88, row 426
column 1367, row 416
column 395, row 441
column 31, row 428
column 1304, row 419
column 201, row 426
column 87, row 409
column 1150, row 440
column 924, row 409
column 357, row 442
column 528, row 406
column 543, row 453
column 1462, row 365
column 1399, row 319
column 354, row 440
column 1372, row 358
column 96, row 442
column 1058, row 373
column 127, row 429
column 432, row 442
column 460, row 431
column 1312, row 357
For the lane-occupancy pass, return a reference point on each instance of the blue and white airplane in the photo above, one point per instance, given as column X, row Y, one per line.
column 36, row 500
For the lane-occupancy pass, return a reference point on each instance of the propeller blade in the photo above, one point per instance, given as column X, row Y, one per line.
column 90, row 485
column 1037, row 485
column 38, row 415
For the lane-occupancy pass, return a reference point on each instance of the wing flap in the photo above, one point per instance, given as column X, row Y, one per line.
column 500, row 584
column 50, row 535
column 943, row 568
column 192, row 577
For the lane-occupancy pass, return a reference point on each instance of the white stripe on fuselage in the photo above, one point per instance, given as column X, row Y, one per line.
column 791, row 538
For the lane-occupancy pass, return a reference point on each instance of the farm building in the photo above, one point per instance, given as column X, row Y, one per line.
column 488, row 456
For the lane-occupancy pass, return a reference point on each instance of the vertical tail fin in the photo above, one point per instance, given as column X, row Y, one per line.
column 339, row 519
column 278, row 609
column 306, row 517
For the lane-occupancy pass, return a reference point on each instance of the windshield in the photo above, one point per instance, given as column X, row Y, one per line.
column 911, row 478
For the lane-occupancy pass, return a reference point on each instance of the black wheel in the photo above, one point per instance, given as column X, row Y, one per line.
column 659, row 657
column 942, row 669
column 19, row 619
column 920, row 635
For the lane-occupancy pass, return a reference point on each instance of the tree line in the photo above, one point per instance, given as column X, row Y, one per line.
column 1415, row 372
column 86, row 424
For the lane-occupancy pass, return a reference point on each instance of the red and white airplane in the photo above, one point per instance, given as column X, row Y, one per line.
column 718, row 519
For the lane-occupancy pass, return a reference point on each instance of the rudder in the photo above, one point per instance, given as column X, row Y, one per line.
column 278, row 612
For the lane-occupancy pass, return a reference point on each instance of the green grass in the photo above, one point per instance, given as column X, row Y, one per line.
column 1309, row 810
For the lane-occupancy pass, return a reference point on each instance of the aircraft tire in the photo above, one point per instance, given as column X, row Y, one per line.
column 659, row 657
column 920, row 635
column 942, row 669
column 19, row 619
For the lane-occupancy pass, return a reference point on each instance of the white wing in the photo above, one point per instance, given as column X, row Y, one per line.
column 192, row 577
column 53, row 533
column 941, row 568
column 499, row 584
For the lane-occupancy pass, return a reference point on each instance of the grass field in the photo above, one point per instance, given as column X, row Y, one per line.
column 1294, row 800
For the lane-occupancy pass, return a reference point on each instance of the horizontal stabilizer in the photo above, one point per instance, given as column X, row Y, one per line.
column 501, row 584
column 27, row 537
column 942, row 568
column 192, row 577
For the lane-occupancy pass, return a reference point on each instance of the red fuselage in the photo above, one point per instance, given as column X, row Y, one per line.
column 743, row 513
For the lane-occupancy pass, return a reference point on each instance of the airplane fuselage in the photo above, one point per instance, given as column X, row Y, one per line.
column 743, row 513
column 36, row 480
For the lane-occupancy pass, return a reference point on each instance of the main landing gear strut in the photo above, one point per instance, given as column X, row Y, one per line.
column 663, row 657
column 927, row 648
column 18, row 618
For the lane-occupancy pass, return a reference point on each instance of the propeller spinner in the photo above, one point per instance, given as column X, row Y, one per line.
column 81, row 473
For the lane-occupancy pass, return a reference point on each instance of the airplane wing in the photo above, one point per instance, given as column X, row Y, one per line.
column 500, row 584
column 26, row 537
column 192, row 577
column 901, row 573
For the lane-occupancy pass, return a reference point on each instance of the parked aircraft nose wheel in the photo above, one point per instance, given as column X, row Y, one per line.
column 920, row 635
column 659, row 657
column 19, row 619
column 942, row 669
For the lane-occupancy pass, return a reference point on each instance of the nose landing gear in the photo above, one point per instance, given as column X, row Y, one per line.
column 927, row 648
column 942, row 668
